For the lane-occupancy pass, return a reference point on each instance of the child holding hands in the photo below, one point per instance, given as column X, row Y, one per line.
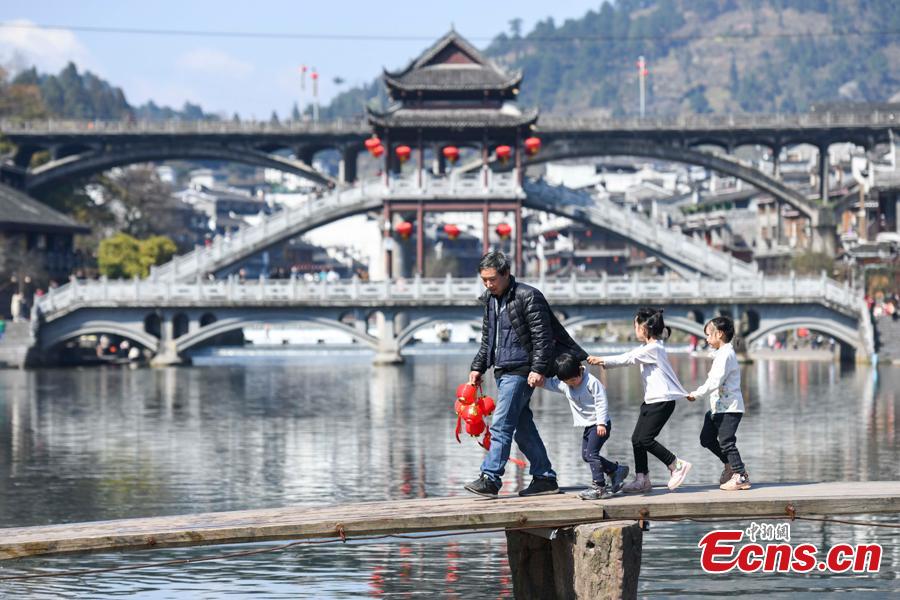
column 726, row 405
column 587, row 399
column 661, row 390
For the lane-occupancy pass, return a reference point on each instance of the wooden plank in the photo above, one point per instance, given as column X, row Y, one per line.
column 445, row 514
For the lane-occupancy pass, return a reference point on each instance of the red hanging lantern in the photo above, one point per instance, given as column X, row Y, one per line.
column 465, row 393
column 403, row 153
column 404, row 229
column 451, row 153
column 503, row 230
column 459, row 407
column 372, row 142
column 503, row 153
column 486, row 405
column 452, row 231
column 532, row 145
column 476, row 427
column 377, row 151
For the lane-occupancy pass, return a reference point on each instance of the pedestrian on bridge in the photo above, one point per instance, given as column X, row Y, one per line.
column 726, row 405
column 661, row 390
column 520, row 339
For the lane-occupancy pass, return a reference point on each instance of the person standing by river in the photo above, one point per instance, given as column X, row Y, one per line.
column 520, row 338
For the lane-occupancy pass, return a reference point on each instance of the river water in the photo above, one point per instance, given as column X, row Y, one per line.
column 326, row 427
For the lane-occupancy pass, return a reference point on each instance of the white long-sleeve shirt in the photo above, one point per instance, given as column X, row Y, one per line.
column 587, row 400
column 723, row 384
column 660, row 382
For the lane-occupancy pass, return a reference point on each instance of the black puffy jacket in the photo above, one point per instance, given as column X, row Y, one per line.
column 538, row 330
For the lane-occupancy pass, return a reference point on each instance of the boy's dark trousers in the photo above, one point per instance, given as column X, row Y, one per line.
column 590, row 453
column 718, row 435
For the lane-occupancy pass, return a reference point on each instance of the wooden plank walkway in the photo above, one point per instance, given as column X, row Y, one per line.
column 446, row 514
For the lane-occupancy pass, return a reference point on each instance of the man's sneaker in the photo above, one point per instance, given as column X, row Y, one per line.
column 596, row 492
column 484, row 486
column 618, row 478
column 541, row 486
column 726, row 474
column 640, row 485
column 738, row 481
column 682, row 467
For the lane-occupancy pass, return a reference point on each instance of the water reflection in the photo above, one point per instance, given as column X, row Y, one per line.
column 91, row 444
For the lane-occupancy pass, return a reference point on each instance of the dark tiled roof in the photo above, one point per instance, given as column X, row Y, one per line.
column 432, row 71
column 20, row 211
column 453, row 117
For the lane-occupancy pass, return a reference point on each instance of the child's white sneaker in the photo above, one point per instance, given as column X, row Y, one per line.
column 640, row 485
column 682, row 467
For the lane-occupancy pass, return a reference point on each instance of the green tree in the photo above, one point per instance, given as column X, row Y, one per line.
column 155, row 250
column 123, row 256
column 120, row 256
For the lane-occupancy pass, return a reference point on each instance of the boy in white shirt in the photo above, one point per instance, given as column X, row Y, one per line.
column 726, row 405
column 587, row 399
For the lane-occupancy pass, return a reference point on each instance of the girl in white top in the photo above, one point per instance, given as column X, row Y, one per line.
column 726, row 405
column 661, row 390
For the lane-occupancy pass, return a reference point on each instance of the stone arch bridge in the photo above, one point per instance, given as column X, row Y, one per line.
column 170, row 319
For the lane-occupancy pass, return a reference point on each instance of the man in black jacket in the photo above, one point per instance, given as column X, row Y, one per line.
column 520, row 338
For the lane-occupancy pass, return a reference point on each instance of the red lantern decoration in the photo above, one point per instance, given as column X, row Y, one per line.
column 486, row 405
column 372, row 142
column 377, row 151
column 503, row 230
column 403, row 153
column 451, row 153
column 503, row 153
column 532, row 145
column 404, row 229
column 465, row 393
column 475, row 428
column 452, row 231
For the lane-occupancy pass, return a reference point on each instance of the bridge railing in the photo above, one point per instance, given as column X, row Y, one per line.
column 640, row 228
column 874, row 118
column 49, row 126
column 204, row 258
column 232, row 292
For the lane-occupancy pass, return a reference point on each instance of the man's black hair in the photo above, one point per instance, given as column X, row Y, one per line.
column 494, row 260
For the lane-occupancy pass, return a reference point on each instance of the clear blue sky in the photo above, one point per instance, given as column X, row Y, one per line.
column 251, row 76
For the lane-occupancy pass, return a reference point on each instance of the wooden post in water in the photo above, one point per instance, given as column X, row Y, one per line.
column 596, row 560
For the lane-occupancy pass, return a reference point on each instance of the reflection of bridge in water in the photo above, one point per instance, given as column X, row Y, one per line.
column 171, row 318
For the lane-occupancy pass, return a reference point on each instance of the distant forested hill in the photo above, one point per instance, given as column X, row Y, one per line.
column 74, row 95
column 722, row 56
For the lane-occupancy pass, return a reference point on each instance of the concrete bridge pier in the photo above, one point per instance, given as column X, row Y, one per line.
column 167, row 354
column 823, row 238
column 388, row 350
column 347, row 168
column 595, row 560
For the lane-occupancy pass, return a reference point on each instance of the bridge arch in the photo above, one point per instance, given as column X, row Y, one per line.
column 848, row 336
column 194, row 338
column 405, row 336
column 721, row 164
column 684, row 324
column 88, row 163
column 104, row 327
